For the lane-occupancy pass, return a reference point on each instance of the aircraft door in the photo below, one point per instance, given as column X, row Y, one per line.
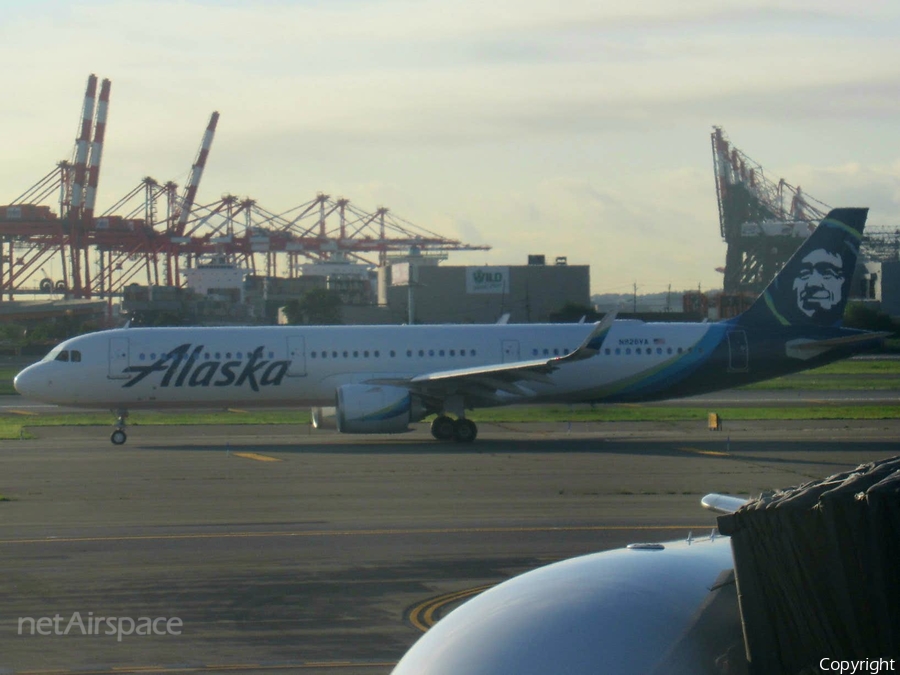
column 296, row 350
column 118, row 358
column 738, row 352
column 510, row 350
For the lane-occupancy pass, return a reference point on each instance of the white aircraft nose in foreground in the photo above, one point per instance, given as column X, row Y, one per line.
column 379, row 379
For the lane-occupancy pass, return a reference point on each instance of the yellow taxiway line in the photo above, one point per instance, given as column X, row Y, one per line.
column 422, row 615
column 256, row 456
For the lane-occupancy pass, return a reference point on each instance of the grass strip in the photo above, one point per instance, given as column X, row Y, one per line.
column 638, row 413
column 15, row 427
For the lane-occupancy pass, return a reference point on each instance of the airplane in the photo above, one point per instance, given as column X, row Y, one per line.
column 647, row 609
column 380, row 379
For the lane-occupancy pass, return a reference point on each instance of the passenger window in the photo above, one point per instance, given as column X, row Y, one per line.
column 377, row 354
column 441, row 353
column 142, row 356
column 452, row 352
column 618, row 350
column 668, row 350
column 637, row 350
column 421, row 352
column 555, row 352
column 345, row 354
column 239, row 355
column 430, row 352
column 628, row 350
column 324, row 354
column 366, row 354
column 659, row 350
column 471, row 352
column 546, row 351
column 409, row 352
column 679, row 350
column 312, row 355
column 393, row 353
column 607, row 351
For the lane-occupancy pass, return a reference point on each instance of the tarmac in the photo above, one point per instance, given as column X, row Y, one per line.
column 282, row 549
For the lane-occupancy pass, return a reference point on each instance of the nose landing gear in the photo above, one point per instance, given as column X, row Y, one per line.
column 119, row 436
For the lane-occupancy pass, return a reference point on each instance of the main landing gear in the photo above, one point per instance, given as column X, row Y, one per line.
column 118, row 436
column 461, row 430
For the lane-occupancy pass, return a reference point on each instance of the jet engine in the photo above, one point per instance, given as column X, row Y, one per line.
column 376, row 409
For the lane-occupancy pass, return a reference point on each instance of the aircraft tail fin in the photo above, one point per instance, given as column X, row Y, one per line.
column 813, row 287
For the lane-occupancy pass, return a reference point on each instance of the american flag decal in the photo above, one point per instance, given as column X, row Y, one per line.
column 659, row 341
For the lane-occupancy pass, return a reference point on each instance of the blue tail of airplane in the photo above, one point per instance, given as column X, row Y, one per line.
column 813, row 287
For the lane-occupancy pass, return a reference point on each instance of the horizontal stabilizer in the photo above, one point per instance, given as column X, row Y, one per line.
column 840, row 341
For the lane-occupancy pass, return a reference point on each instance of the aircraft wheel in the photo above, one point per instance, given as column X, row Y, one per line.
column 118, row 437
column 443, row 428
column 464, row 431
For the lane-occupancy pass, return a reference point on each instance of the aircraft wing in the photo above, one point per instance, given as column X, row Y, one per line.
column 484, row 382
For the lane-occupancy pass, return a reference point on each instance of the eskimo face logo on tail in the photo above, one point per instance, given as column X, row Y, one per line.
column 819, row 283
column 182, row 368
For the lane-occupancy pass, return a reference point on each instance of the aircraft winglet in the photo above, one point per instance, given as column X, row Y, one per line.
column 722, row 503
column 592, row 342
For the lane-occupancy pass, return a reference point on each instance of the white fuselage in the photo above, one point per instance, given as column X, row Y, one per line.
column 300, row 366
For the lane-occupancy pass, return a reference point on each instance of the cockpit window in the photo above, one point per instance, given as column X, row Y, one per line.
column 65, row 355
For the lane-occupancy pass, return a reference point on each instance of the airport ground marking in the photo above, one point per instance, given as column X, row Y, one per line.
column 353, row 533
column 258, row 457
column 422, row 615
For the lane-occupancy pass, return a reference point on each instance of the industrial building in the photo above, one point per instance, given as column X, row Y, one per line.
column 456, row 294
column 222, row 294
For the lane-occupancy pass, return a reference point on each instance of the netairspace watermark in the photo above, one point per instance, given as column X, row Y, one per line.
column 120, row 626
column 857, row 667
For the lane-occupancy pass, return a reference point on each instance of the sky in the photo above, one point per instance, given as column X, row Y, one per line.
column 577, row 128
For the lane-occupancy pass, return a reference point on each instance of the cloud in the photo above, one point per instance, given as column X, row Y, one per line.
column 532, row 125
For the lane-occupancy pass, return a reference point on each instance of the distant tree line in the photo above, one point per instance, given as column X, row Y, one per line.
column 318, row 307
